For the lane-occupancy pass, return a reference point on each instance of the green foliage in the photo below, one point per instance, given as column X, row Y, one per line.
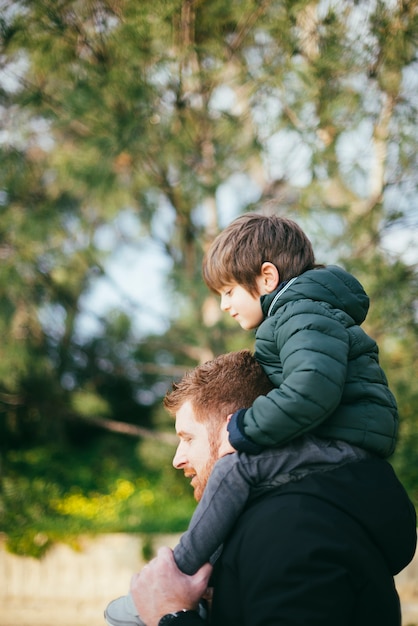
column 53, row 494
column 184, row 114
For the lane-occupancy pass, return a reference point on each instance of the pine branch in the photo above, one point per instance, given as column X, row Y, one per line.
column 125, row 428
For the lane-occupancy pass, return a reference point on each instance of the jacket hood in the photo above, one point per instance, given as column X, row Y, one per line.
column 370, row 493
column 331, row 284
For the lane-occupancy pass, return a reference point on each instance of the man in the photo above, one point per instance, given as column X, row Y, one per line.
column 318, row 551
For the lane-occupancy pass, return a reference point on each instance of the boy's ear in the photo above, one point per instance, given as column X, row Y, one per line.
column 270, row 276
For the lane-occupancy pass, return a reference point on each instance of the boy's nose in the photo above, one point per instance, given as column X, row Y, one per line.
column 224, row 304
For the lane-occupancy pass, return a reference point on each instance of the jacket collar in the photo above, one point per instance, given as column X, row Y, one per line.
column 268, row 301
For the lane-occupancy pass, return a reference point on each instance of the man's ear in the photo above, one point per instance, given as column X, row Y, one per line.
column 270, row 276
column 225, row 447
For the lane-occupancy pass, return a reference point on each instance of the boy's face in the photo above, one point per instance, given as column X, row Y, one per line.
column 242, row 306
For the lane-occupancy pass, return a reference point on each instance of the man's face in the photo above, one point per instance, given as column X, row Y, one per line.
column 197, row 452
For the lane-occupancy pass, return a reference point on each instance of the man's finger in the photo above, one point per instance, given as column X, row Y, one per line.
column 204, row 572
column 165, row 553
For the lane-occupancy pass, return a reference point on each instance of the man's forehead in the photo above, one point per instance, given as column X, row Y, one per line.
column 186, row 421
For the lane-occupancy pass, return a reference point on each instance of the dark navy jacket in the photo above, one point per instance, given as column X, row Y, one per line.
column 318, row 552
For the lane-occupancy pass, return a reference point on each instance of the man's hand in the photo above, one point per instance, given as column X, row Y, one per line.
column 160, row 587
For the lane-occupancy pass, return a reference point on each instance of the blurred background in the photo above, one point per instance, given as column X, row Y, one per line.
column 131, row 132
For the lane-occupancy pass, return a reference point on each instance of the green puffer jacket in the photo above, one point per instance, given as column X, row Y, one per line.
column 324, row 367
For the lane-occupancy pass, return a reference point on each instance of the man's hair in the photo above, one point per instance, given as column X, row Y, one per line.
column 219, row 387
column 238, row 252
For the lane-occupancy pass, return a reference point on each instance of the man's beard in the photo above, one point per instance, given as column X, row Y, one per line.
column 200, row 482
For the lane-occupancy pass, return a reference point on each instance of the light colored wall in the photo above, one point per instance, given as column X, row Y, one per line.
column 69, row 587
column 72, row 588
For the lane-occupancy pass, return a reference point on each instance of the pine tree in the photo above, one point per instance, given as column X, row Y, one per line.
column 167, row 108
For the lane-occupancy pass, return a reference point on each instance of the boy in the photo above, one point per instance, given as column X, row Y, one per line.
column 323, row 366
column 330, row 403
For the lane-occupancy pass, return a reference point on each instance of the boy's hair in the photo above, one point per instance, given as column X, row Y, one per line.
column 219, row 387
column 238, row 252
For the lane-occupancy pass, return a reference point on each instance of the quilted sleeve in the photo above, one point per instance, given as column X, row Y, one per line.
column 312, row 347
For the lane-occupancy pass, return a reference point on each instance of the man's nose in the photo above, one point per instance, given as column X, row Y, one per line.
column 179, row 459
